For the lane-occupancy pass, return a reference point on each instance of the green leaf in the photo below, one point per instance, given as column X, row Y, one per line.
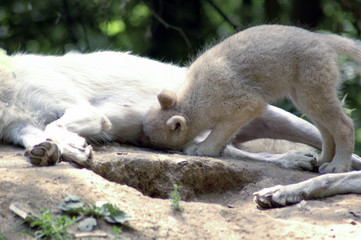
column 5, row 62
column 114, row 214
column 71, row 198
column 72, row 205
column 121, row 218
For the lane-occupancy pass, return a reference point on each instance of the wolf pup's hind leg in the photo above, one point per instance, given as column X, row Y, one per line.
column 315, row 94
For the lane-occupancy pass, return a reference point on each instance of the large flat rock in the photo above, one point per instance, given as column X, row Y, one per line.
column 218, row 195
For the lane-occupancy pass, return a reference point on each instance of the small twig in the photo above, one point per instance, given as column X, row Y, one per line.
column 227, row 19
column 20, row 212
column 96, row 234
column 167, row 25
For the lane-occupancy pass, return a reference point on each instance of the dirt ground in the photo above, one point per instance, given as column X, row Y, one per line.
column 218, row 195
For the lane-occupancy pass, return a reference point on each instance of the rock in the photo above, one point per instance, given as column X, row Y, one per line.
column 218, row 195
column 87, row 224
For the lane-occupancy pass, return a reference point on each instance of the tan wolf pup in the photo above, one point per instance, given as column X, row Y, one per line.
column 231, row 84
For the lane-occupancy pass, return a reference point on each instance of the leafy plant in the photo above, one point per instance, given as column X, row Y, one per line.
column 112, row 214
column 175, row 198
column 2, row 237
column 72, row 205
column 75, row 210
column 116, row 232
column 50, row 227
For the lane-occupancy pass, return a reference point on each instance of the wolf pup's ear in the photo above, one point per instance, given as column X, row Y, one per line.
column 167, row 99
column 177, row 123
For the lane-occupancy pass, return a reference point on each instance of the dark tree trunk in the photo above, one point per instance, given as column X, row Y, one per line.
column 183, row 31
column 306, row 13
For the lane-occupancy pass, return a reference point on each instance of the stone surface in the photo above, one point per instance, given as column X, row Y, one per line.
column 218, row 195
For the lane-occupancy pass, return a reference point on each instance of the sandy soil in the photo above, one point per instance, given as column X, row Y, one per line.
column 216, row 212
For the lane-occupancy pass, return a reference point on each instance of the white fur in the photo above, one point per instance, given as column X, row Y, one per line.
column 110, row 83
column 102, row 96
column 318, row 187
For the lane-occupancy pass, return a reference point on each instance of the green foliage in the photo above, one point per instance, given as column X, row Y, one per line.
column 175, row 198
column 351, row 78
column 112, row 214
column 50, row 227
column 5, row 63
column 55, row 227
column 116, row 232
column 2, row 237
column 62, row 25
column 72, row 205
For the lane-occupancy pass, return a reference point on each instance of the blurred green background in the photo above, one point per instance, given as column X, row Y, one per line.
column 173, row 30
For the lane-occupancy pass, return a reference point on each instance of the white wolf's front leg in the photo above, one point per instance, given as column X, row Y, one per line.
column 291, row 160
column 318, row 187
column 39, row 151
column 63, row 138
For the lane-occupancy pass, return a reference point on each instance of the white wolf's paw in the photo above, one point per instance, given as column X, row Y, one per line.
column 74, row 148
column 201, row 150
column 333, row 167
column 299, row 161
column 78, row 155
column 44, row 154
column 277, row 196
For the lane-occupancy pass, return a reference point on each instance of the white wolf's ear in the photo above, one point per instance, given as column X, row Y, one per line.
column 167, row 99
column 177, row 123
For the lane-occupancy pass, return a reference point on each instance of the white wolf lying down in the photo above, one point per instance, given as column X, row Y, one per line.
column 49, row 104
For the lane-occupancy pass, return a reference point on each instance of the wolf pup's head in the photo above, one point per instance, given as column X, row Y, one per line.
column 164, row 125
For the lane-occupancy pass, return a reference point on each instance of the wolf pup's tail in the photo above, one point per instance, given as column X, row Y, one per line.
column 343, row 45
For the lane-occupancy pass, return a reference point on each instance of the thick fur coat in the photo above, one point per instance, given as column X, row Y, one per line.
column 230, row 84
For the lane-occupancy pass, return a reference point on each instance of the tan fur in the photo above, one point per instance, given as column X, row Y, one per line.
column 231, row 84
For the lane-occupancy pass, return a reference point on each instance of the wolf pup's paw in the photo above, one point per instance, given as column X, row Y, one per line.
column 43, row 154
column 299, row 161
column 333, row 167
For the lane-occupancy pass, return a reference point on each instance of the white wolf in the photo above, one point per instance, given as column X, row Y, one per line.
column 53, row 105
column 231, row 83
